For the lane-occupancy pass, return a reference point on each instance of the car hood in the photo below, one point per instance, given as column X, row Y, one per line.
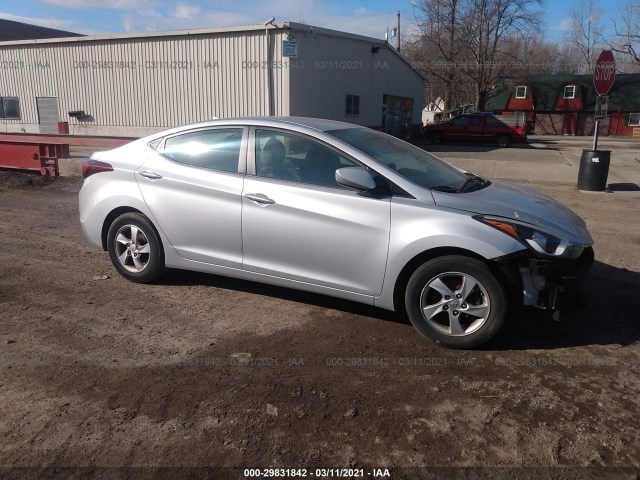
column 512, row 201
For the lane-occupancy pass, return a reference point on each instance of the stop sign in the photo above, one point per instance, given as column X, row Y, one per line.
column 605, row 72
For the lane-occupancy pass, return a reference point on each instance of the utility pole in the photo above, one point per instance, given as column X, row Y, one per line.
column 398, row 30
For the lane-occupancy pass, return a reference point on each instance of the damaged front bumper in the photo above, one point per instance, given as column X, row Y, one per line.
column 546, row 284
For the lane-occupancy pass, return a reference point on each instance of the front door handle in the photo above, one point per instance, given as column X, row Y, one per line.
column 150, row 174
column 259, row 198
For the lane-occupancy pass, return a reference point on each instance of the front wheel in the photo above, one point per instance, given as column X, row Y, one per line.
column 135, row 248
column 456, row 302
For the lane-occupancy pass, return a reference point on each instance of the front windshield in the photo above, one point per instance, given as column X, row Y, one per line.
column 411, row 162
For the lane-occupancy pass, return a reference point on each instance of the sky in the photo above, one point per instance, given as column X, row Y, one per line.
column 364, row 17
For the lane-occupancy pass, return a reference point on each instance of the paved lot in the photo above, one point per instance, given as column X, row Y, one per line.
column 545, row 158
column 203, row 371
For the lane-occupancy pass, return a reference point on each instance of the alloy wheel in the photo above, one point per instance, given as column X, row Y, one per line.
column 132, row 248
column 455, row 303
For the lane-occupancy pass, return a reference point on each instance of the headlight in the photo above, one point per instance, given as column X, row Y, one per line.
column 541, row 242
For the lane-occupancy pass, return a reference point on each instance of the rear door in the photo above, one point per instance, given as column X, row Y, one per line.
column 299, row 224
column 193, row 185
column 475, row 128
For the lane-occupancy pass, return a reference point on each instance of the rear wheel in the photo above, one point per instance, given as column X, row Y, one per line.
column 503, row 141
column 135, row 248
column 456, row 302
column 435, row 138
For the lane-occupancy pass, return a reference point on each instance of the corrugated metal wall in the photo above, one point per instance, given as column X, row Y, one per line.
column 329, row 67
column 133, row 86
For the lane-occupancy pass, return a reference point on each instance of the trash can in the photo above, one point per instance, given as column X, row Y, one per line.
column 594, row 170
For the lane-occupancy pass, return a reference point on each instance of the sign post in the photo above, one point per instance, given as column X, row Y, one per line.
column 594, row 164
column 603, row 78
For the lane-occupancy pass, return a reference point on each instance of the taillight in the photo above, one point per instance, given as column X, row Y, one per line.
column 95, row 166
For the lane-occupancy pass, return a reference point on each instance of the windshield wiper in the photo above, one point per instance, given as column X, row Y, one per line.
column 445, row 188
column 471, row 181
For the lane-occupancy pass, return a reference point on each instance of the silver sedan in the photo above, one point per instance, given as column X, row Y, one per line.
column 337, row 209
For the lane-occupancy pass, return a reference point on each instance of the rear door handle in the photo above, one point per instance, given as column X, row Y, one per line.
column 259, row 198
column 150, row 174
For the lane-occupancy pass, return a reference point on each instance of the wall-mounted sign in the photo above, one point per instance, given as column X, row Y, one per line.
column 290, row 48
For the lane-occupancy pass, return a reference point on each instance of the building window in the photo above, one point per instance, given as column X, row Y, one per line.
column 521, row 91
column 634, row 119
column 569, row 91
column 9, row 107
column 353, row 105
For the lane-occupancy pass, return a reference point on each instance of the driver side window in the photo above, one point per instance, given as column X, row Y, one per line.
column 459, row 121
column 290, row 157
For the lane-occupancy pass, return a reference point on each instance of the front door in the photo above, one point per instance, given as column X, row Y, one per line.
column 456, row 128
column 299, row 224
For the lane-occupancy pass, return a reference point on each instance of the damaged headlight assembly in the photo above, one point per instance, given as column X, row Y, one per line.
column 541, row 242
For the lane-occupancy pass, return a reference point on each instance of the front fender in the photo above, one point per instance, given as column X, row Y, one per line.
column 417, row 228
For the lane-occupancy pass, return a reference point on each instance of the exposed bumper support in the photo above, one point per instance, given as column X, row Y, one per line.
column 552, row 285
column 546, row 284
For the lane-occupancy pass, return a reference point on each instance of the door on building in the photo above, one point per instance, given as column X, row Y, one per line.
column 396, row 115
column 570, row 123
column 48, row 114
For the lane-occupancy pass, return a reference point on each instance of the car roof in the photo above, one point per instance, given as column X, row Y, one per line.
column 320, row 124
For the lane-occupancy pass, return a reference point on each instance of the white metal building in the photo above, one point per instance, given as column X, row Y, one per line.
column 135, row 84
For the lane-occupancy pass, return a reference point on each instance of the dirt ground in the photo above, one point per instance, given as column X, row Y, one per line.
column 202, row 371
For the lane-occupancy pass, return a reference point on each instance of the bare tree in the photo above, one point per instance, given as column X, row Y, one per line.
column 586, row 32
column 439, row 47
column 534, row 55
column 487, row 25
column 626, row 38
column 470, row 36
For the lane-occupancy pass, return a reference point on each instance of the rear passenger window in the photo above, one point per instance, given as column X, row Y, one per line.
column 217, row 149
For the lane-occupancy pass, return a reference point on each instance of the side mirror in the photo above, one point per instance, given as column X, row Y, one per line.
column 357, row 178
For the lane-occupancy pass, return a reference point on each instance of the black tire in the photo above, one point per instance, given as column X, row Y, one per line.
column 503, row 141
column 435, row 138
column 461, row 325
column 143, row 258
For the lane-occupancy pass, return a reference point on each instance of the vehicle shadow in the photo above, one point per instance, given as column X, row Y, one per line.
column 189, row 278
column 608, row 317
column 449, row 146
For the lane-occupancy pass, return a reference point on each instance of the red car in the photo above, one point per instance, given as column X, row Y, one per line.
column 501, row 130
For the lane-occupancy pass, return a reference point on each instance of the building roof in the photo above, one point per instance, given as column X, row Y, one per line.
column 195, row 31
column 289, row 26
column 624, row 95
column 12, row 31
